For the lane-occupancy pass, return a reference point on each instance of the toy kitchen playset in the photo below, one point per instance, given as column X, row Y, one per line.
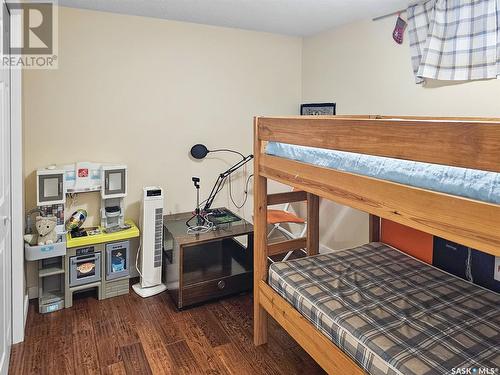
column 72, row 258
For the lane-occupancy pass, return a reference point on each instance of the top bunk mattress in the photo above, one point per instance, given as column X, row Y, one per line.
column 468, row 183
column 392, row 313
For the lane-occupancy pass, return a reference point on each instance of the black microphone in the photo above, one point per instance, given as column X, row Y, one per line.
column 199, row 151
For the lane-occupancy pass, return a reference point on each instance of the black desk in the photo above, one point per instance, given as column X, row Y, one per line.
column 209, row 265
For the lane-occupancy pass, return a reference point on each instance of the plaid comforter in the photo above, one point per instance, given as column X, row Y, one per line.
column 393, row 314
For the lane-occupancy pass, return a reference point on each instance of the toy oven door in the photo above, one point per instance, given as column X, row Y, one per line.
column 50, row 188
column 85, row 269
column 114, row 182
column 117, row 260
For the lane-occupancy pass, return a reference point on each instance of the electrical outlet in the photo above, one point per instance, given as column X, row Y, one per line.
column 496, row 271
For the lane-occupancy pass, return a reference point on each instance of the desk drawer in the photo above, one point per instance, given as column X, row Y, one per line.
column 216, row 288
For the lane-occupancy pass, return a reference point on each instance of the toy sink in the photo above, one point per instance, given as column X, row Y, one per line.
column 46, row 251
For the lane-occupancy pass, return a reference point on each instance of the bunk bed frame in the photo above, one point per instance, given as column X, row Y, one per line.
column 463, row 142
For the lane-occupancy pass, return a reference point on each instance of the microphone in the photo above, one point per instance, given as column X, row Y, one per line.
column 199, row 151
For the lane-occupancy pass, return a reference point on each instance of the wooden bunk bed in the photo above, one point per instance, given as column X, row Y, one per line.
column 461, row 142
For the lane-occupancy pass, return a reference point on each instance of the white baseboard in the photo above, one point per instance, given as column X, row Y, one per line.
column 133, row 272
column 324, row 249
column 26, row 307
column 19, row 335
column 33, row 292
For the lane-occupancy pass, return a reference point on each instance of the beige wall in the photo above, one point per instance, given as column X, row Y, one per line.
column 364, row 71
column 141, row 91
column 361, row 68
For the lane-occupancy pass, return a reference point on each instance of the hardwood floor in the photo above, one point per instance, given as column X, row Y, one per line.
column 131, row 335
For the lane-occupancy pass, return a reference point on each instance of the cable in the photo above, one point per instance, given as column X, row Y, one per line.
column 137, row 258
column 205, row 228
column 468, row 265
column 199, row 229
column 147, row 284
column 245, row 192
column 228, row 150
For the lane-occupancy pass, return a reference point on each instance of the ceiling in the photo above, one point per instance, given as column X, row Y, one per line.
column 291, row 17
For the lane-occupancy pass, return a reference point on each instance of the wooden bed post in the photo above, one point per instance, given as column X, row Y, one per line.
column 374, row 228
column 260, row 243
column 312, row 224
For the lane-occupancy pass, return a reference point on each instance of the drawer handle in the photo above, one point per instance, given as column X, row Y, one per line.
column 221, row 284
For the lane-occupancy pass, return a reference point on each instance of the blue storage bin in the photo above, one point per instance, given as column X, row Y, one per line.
column 483, row 267
column 452, row 258
column 449, row 257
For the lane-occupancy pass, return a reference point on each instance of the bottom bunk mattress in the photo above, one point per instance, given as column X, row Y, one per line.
column 392, row 313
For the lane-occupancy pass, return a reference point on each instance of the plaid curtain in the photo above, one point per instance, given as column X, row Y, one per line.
column 455, row 39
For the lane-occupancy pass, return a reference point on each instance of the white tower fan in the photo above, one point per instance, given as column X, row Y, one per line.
column 150, row 251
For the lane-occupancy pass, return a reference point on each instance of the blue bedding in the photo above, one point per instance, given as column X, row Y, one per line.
column 469, row 183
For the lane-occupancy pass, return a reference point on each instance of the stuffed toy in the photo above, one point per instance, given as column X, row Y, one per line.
column 46, row 228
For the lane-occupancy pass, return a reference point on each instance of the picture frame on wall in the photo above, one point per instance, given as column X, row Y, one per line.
column 318, row 109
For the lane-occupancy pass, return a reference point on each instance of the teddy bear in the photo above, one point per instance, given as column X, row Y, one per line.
column 46, row 228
